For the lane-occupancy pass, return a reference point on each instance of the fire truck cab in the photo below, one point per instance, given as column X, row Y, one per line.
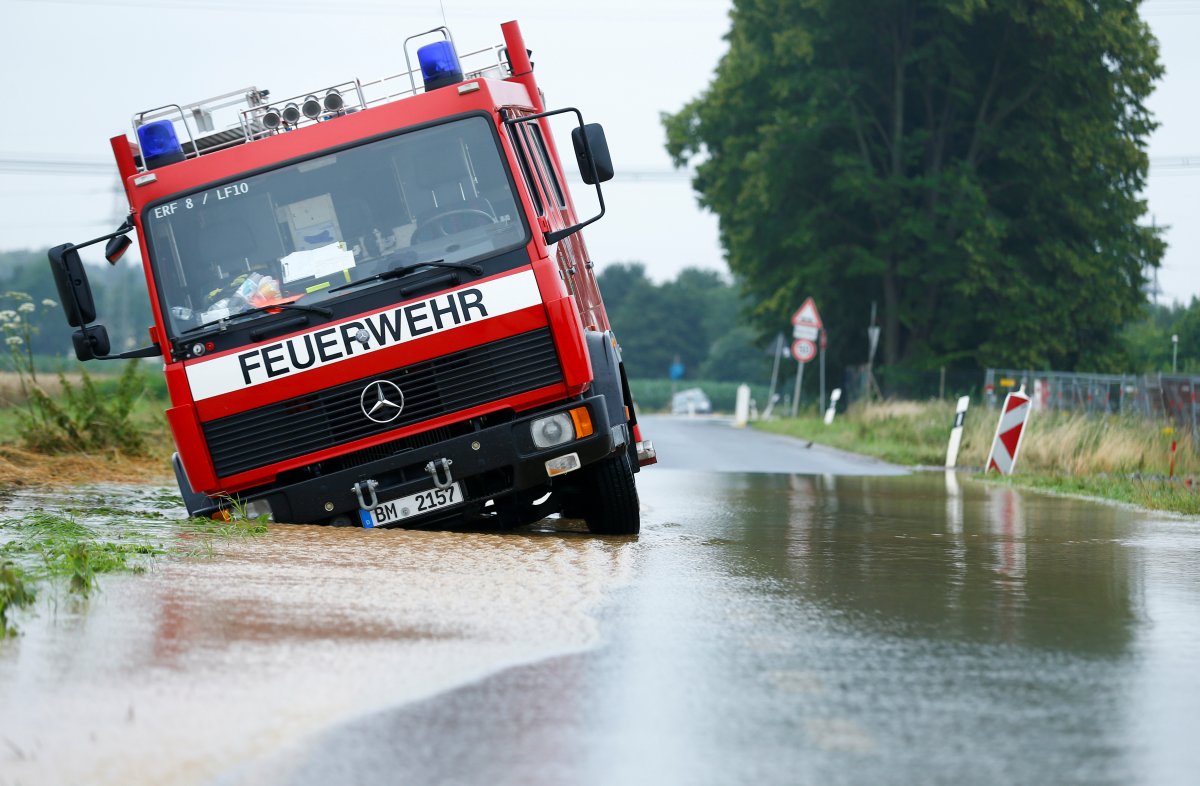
column 374, row 303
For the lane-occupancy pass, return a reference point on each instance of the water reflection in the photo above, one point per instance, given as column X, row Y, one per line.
column 936, row 555
column 879, row 630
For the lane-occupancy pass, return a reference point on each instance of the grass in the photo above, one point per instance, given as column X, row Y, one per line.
column 55, row 549
column 1111, row 457
column 1177, row 496
column 15, row 592
column 47, row 545
column 901, row 432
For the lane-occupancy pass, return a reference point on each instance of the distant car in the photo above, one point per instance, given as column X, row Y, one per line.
column 692, row 401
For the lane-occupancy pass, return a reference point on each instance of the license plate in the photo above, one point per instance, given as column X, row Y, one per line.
column 411, row 506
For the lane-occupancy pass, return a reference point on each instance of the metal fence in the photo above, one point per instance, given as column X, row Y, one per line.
column 1169, row 397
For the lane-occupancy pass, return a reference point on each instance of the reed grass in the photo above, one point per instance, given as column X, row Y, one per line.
column 1110, row 456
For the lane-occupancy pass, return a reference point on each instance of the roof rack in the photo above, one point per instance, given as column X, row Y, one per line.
column 256, row 117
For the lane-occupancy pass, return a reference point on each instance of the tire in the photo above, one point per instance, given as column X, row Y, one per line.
column 608, row 497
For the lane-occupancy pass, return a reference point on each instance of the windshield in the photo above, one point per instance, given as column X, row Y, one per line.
column 439, row 193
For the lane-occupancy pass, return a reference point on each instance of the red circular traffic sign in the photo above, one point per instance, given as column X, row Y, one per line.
column 803, row 350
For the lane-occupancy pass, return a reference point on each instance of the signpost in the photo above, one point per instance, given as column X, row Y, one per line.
column 806, row 332
column 1006, row 445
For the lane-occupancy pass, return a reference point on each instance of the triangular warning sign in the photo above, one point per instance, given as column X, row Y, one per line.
column 807, row 315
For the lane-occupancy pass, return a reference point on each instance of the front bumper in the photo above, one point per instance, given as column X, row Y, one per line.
column 491, row 462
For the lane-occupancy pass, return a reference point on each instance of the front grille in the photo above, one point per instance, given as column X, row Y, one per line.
column 431, row 388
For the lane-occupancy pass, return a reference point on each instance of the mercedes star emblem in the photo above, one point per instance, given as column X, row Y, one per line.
column 382, row 401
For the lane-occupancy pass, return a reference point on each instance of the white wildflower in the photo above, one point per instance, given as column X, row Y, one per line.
column 14, row 341
column 26, row 308
column 7, row 315
column 48, row 303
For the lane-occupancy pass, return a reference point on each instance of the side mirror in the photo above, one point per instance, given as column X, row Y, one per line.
column 115, row 248
column 74, row 291
column 597, row 145
column 91, row 342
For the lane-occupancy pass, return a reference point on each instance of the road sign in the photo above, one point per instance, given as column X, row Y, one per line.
column 1010, row 429
column 806, row 332
column 803, row 350
column 807, row 315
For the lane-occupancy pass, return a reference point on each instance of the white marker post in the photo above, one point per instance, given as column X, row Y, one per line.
column 833, row 400
column 741, row 408
column 960, row 415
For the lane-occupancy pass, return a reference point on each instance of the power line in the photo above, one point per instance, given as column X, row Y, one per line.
column 40, row 165
column 44, row 164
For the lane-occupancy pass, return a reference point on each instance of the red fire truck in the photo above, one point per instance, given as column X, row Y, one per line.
column 373, row 301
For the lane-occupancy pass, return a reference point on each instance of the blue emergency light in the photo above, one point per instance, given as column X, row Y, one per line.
column 439, row 65
column 160, row 145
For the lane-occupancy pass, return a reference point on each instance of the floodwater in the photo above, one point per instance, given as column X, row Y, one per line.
column 175, row 675
column 766, row 628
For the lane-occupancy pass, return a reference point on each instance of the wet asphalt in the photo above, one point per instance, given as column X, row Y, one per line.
column 789, row 615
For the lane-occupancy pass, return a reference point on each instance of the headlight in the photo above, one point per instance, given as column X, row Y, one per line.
column 551, row 431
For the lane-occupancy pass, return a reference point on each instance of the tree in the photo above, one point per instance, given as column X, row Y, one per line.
column 974, row 167
column 693, row 317
column 1148, row 342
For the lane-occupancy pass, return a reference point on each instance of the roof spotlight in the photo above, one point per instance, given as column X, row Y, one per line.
column 333, row 101
column 311, row 107
column 291, row 114
column 271, row 119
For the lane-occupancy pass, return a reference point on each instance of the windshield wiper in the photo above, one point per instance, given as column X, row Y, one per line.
column 258, row 310
column 403, row 270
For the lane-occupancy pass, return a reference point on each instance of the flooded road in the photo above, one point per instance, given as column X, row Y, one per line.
column 765, row 627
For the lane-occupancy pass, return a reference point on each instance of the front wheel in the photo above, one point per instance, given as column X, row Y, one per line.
column 607, row 497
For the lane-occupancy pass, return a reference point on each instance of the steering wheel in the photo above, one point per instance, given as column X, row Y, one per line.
column 452, row 222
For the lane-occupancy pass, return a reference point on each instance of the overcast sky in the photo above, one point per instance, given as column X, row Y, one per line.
column 74, row 71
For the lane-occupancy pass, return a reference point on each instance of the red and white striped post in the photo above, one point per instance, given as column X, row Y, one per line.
column 1007, row 442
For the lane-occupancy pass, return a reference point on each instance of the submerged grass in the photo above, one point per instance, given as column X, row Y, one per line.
column 57, row 546
column 71, row 548
column 15, row 592
column 1119, row 458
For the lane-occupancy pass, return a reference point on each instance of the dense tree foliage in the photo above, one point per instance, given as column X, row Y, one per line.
column 693, row 318
column 974, row 167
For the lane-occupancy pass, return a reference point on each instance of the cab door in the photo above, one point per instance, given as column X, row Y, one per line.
column 551, row 201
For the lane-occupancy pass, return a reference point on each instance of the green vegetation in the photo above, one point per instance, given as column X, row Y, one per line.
column 55, row 548
column 1111, row 457
column 82, row 418
column 693, row 318
column 1177, row 496
column 45, row 545
column 900, row 432
column 654, row 395
column 1147, row 343
column 81, row 415
column 15, row 593
column 975, row 168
